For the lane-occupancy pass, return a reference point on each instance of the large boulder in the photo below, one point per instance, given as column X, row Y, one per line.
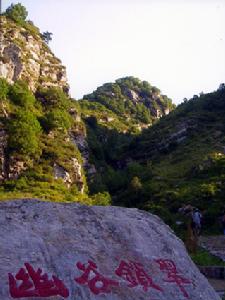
column 70, row 251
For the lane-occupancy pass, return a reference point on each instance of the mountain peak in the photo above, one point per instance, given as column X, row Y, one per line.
column 130, row 97
column 25, row 56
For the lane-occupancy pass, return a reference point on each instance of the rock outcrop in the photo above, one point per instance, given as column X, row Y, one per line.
column 74, row 176
column 79, row 138
column 93, row 253
column 24, row 55
column 180, row 133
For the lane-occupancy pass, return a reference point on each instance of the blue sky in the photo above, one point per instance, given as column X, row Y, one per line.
column 178, row 46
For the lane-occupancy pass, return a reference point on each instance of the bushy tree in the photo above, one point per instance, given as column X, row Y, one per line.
column 24, row 131
column 46, row 36
column 56, row 119
column 20, row 95
column 53, row 97
column 103, row 199
column 4, row 88
column 17, row 12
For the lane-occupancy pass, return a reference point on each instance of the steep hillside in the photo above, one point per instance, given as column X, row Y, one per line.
column 39, row 123
column 180, row 159
column 37, row 154
column 113, row 115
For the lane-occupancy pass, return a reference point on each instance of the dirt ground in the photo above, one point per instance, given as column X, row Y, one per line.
column 218, row 285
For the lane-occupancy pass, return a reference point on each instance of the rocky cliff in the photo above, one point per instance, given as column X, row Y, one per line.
column 69, row 251
column 24, row 55
column 36, row 113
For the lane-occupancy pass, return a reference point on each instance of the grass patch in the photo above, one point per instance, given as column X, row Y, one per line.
column 204, row 258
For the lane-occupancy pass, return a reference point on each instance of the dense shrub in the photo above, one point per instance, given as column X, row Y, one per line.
column 24, row 131
column 4, row 88
column 102, row 199
column 56, row 119
column 53, row 97
column 17, row 12
column 20, row 95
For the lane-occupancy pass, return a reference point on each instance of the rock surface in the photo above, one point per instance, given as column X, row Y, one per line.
column 113, row 253
column 214, row 244
column 24, row 55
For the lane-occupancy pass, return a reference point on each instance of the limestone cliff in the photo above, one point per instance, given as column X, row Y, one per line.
column 26, row 60
column 24, row 55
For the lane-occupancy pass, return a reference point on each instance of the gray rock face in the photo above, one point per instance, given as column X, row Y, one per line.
column 79, row 138
column 75, row 177
column 23, row 55
column 92, row 253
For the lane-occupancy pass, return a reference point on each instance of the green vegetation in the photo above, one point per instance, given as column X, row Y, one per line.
column 17, row 12
column 55, row 107
column 29, row 144
column 52, row 97
column 17, row 17
column 38, row 130
column 56, row 118
column 178, row 160
column 4, row 88
column 20, row 95
column 204, row 258
column 24, row 132
column 133, row 100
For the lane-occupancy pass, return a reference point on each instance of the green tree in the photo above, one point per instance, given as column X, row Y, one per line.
column 53, row 97
column 17, row 12
column 20, row 95
column 56, row 119
column 102, row 199
column 24, row 131
column 46, row 36
column 4, row 88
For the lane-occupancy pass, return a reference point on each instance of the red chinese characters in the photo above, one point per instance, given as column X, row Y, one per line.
column 135, row 274
column 96, row 282
column 169, row 267
column 35, row 284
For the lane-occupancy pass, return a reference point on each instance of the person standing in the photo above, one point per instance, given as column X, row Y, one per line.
column 197, row 221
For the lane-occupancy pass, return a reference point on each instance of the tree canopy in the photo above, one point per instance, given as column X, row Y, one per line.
column 46, row 36
column 17, row 12
column 24, row 131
